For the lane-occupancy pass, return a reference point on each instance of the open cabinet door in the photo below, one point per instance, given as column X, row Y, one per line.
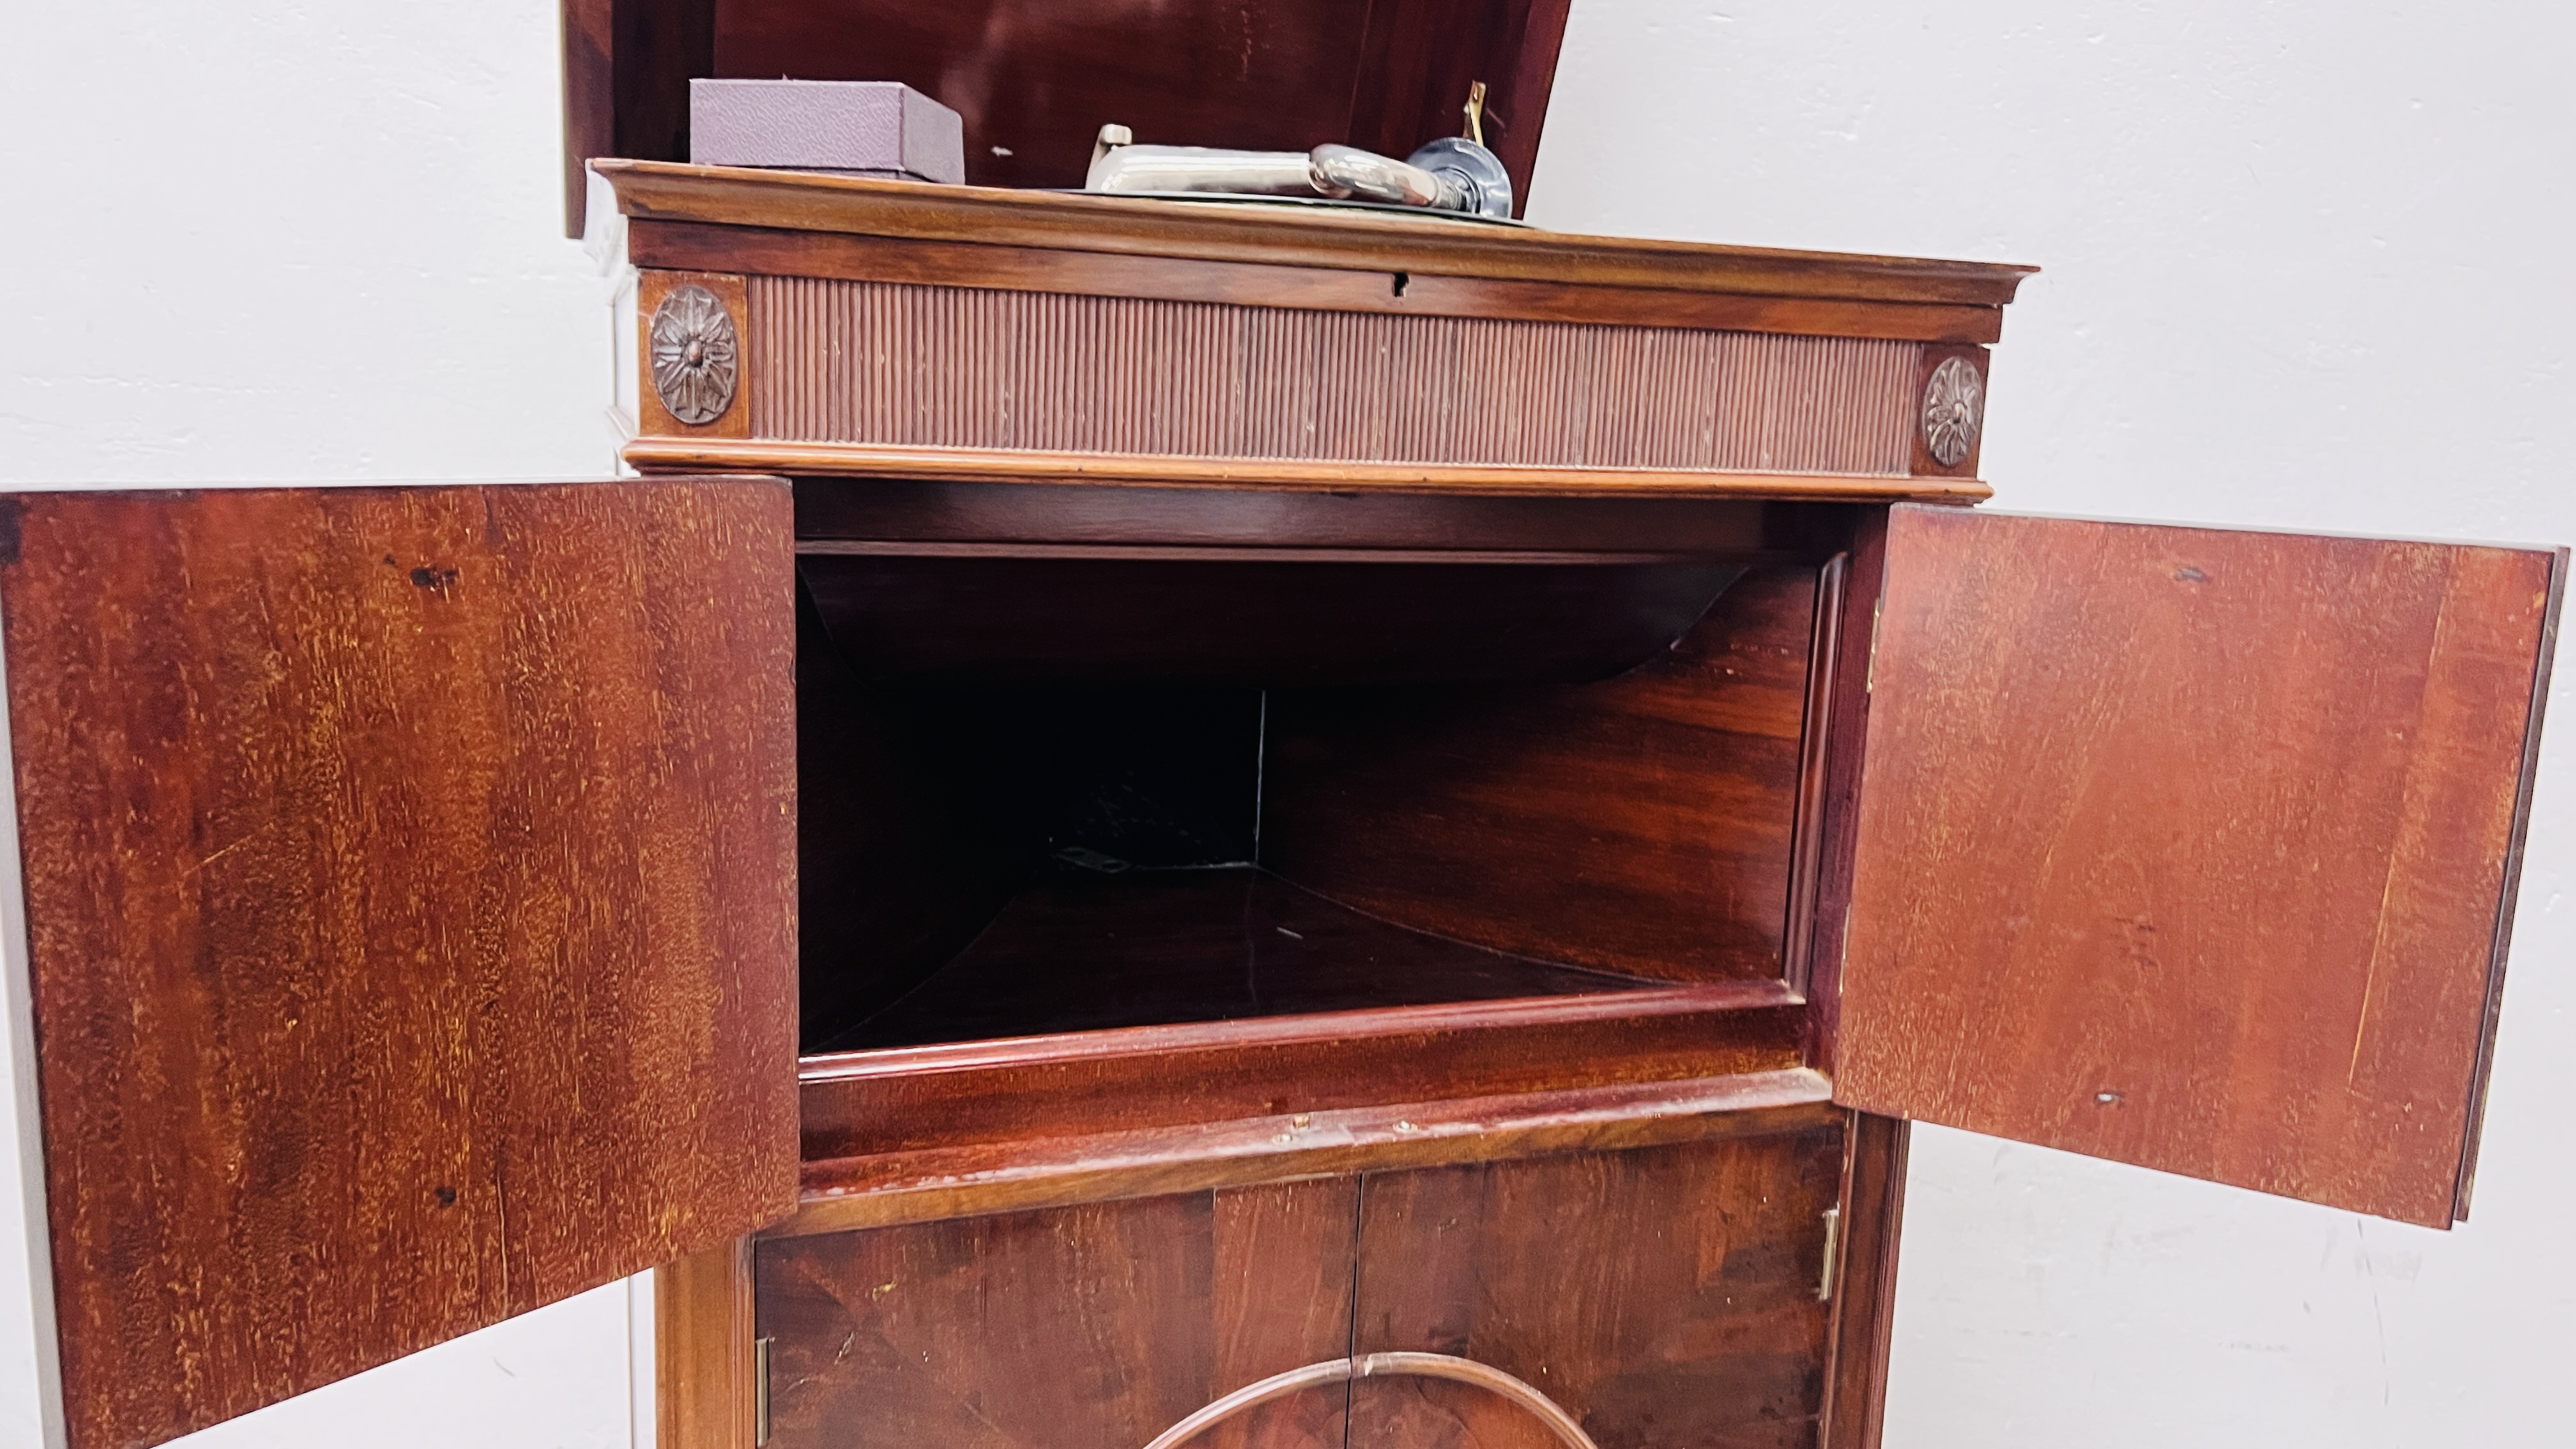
column 409, row 879
column 2192, row 848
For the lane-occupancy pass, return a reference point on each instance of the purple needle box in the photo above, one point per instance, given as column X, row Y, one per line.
column 853, row 128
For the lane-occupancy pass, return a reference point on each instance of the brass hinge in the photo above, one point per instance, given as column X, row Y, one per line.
column 760, row 1390
column 1833, row 1255
column 1877, row 613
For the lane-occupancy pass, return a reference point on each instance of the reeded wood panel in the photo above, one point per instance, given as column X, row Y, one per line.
column 2193, row 849
column 871, row 362
column 1092, row 1327
column 410, row 889
column 1664, row 1297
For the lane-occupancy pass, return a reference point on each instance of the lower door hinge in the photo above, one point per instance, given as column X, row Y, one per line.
column 760, row 1390
column 1833, row 1254
column 1869, row 675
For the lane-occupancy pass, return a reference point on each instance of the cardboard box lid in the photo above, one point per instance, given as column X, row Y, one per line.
column 873, row 128
column 1035, row 79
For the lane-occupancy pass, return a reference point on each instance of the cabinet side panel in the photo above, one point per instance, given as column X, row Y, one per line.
column 2186, row 847
column 24, row 1177
column 1642, row 824
column 1663, row 1296
column 1864, row 1283
column 410, row 882
column 705, row 1392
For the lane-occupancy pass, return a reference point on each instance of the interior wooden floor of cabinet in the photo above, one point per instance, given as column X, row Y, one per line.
column 1088, row 950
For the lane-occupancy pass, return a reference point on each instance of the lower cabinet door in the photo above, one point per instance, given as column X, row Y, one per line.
column 1093, row 1327
column 1665, row 1297
column 1662, row 1297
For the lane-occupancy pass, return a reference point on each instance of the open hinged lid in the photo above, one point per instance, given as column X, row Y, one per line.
column 1036, row 79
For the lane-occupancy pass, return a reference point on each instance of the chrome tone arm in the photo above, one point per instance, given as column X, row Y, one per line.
column 1447, row 175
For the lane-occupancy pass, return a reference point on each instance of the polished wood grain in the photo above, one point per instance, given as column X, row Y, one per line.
column 1863, row 1301
column 832, row 511
column 730, row 289
column 1029, row 465
column 934, row 1183
column 409, row 881
column 1094, row 1326
column 785, row 252
column 1844, row 726
column 2189, row 848
column 1081, row 950
column 1085, row 616
column 1808, row 831
column 1140, row 1078
column 1355, row 241
column 626, row 69
column 706, row 1394
column 1662, row 1296
column 1642, row 824
column 1034, row 80
column 907, row 835
column 1422, row 57
column 589, row 100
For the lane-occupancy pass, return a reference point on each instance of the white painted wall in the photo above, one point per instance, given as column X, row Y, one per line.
column 2303, row 270
column 294, row 240
column 2306, row 267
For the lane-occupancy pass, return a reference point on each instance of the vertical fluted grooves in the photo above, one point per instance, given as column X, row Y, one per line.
column 875, row 362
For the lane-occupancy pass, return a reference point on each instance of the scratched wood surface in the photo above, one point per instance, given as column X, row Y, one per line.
column 2192, row 849
column 1664, row 1297
column 1089, row 1327
column 410, row 891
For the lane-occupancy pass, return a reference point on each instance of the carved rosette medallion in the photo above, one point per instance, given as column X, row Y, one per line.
column 695, row 355
column 1954, row 407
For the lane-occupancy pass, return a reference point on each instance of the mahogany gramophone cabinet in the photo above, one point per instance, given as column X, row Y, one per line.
column 1250, row 826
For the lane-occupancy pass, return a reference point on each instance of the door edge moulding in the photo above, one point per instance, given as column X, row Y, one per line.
column 697, row 455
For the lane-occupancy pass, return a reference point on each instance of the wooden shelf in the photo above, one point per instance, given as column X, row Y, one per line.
column 1085, row 951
